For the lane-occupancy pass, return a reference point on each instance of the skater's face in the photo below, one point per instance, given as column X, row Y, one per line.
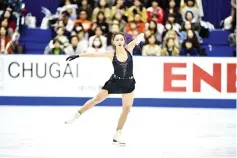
column 119, row 40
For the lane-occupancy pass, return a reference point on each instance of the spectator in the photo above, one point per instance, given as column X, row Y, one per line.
column 97, row 46
column 170, row 49
column 87, row 7
column 172, row 9
column 119, row 20
column 102, row 6
column 68, row 23
column 119, row 8
column 197, row 4
column 56, row 48
column 76, row 47
column 11, row 18
column 190, row 12
column 171, row 34
column 188, row 49
column 59, row 24
column 233, row 14
column 4, row 23
column 151, row 48
column 193, row 38
column 114, row 29
column 155, row 12
column 101, row 22
column 183, row 33
column 4, row 40
column 99, row 34
column 137, row 8
column 171, row 23
column 135, row 25
column 71, row 10
column 156, row 29
column 64, row 42
column 83, row 19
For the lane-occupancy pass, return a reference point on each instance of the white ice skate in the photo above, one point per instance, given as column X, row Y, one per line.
column 118, row 139
column 74, row 117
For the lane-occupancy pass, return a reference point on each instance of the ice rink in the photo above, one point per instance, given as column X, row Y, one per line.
column 40, row 132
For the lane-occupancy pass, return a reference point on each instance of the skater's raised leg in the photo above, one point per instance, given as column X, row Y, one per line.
column 101, row 96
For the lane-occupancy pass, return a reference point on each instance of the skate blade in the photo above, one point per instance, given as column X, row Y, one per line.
column 118, row 144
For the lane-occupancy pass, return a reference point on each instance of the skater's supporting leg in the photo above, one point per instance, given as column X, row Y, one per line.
column 127, row 104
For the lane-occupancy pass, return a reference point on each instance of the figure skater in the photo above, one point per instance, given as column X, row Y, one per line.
column 122, row 80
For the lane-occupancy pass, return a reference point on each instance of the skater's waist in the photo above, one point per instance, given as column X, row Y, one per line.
column 122, row 78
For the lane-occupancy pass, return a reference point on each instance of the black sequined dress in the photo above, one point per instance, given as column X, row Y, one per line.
column 122, row 81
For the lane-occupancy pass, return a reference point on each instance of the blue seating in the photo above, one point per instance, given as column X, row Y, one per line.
column 217, row 37
column 218, row 50
column 35, row 40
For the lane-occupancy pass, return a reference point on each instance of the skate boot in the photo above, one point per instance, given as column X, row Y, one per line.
column 74, row 117
column 118, row 139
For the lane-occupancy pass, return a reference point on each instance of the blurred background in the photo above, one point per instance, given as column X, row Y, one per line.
column 187, row 63
column 172, row 27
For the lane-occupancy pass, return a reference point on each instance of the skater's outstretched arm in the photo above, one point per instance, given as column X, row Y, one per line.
column 135, row 42
column 108, row 54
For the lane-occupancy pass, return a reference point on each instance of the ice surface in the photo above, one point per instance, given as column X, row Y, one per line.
column 40, row 132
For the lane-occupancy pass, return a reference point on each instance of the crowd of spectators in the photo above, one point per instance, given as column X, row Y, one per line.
column 173, row 30
column 8, row 26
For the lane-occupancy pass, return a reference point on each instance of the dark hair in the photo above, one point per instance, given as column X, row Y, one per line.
column 152, row 35
column 98, row 27
column 141, row 6
column 119, row 33
column 155, row 26
column 1, row 20
column 65, row 13
column 187, row 14
column 121, row 7
column 59, row 28
column 97, row 17
column 57, row 40
column 100, row 46
column 3, row 27
column 194, row 40
column 186, row 2
column 106, row 5
column 74, row 36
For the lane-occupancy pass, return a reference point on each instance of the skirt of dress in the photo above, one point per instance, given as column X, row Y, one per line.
column 119, row 86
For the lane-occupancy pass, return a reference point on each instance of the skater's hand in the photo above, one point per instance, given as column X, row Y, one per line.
column 72, row 57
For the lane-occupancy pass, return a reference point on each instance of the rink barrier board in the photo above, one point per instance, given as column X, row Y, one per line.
column 138, row 102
